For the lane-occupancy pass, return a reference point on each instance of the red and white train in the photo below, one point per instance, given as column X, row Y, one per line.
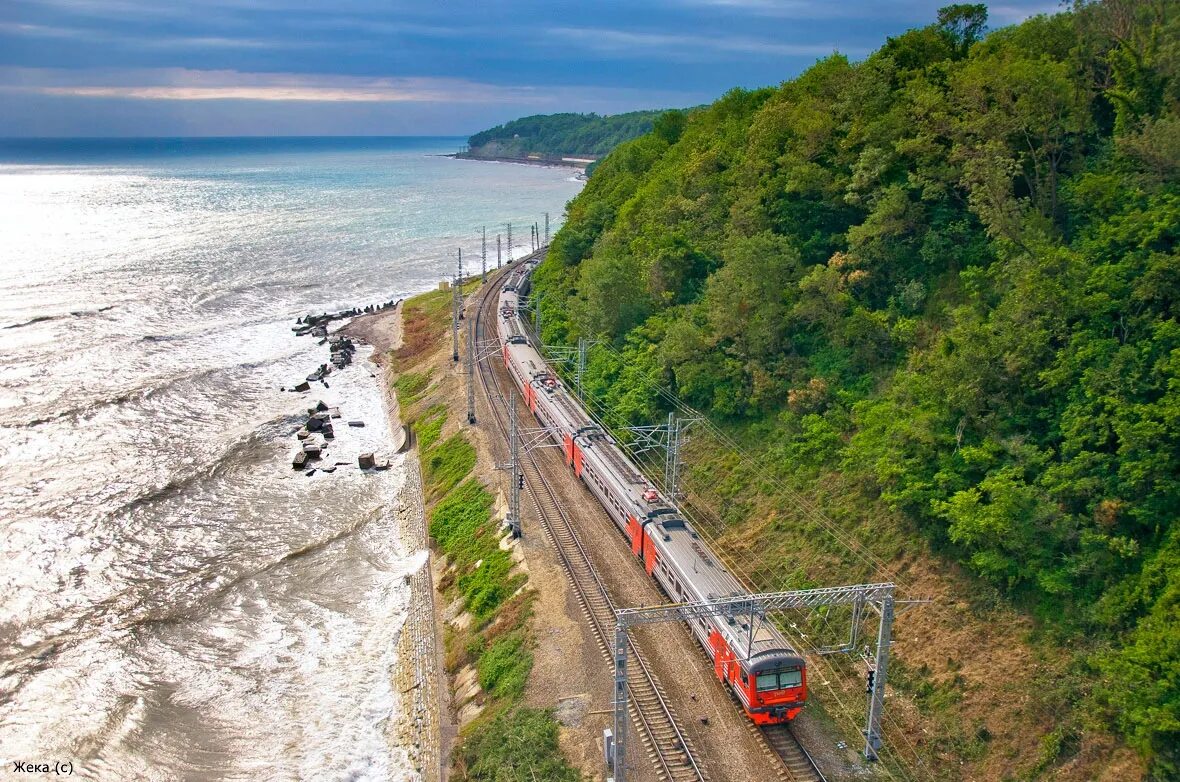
column 753, row 658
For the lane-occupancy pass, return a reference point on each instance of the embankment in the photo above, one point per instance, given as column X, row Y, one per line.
column 483, row 723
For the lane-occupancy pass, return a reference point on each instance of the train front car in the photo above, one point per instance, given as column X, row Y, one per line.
column 775, row 687
column 749, row 654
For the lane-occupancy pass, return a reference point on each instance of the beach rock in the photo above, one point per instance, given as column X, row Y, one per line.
column 327, row 432
column 320, row 407
column 328, row 468
column 315, row 424
column 298, row 460
column 303, row 434
column 366, row 461
column 333, row 412
column 310, row 472
column 303, row 386
column 357, row 424
column 313, row 450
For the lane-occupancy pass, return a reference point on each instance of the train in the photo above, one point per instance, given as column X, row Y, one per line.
column 753, row 658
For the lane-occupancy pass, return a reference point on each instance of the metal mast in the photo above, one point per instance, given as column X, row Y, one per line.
column 877, row 676
column 498, row 260
column 455, row 320
column 514, row 471
column 509, row 243
column 546, row 229
column 672, row 461
column 469, row 368
column 483, row 254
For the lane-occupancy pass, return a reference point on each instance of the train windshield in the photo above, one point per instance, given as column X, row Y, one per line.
column 777, row 680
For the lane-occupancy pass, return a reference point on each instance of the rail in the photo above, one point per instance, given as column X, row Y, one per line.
column 665, row 742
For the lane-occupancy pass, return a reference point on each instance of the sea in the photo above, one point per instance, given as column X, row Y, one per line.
column 177, row 602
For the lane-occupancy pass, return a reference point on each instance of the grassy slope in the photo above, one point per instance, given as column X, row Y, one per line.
column 508, row 742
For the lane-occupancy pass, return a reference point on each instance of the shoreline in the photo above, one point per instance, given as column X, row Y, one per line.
column 520, row 160
column 422, row 726
column 504, row 675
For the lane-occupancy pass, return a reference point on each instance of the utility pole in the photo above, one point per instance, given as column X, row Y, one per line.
column 580, row 372
column 510, row 243
column 483, row 254
column 672, row 462
column 546, row 229
column 537, row 233
column 459, row 286
column 469, row 361
column 455, row 320
column 876, row 685
column 618, row 754
column 517, row 475
column 497, row 251
column 669, row 437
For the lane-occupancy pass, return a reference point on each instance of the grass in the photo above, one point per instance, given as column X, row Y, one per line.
column 423, row 317
column 518, row 745
column 429, row 426
column 504, row 667
column 447, row 463
column 462, row 526
column 410, row 386
column 508, row 742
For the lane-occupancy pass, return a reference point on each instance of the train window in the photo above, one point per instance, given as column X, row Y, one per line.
column 777, row 680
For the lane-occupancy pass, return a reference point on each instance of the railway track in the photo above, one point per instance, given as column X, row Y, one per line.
column 796, row 762
column 658, row 728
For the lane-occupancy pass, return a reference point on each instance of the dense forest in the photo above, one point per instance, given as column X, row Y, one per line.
column 555, row 135
column 949, row 274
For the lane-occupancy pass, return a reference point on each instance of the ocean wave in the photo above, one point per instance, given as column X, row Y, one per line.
column 252, row 441
column 44, row 318
column 31, row 321
column 140, row 393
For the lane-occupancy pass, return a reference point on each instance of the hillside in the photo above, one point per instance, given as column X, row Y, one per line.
column 553, row 136
column 930, row 301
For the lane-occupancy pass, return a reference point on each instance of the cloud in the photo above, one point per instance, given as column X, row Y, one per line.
column 196, row 85
column 789, row 9
column 1000, row 15
column 179, row 84
column 147, row 40
column 625, row 43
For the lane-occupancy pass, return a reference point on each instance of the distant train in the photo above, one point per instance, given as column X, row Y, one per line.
column 768, row 676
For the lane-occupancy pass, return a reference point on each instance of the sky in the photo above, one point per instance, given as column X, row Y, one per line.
column 390, row 67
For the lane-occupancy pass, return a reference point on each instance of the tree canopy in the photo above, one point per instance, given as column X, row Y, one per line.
column 555, row 135
column 949, row 270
